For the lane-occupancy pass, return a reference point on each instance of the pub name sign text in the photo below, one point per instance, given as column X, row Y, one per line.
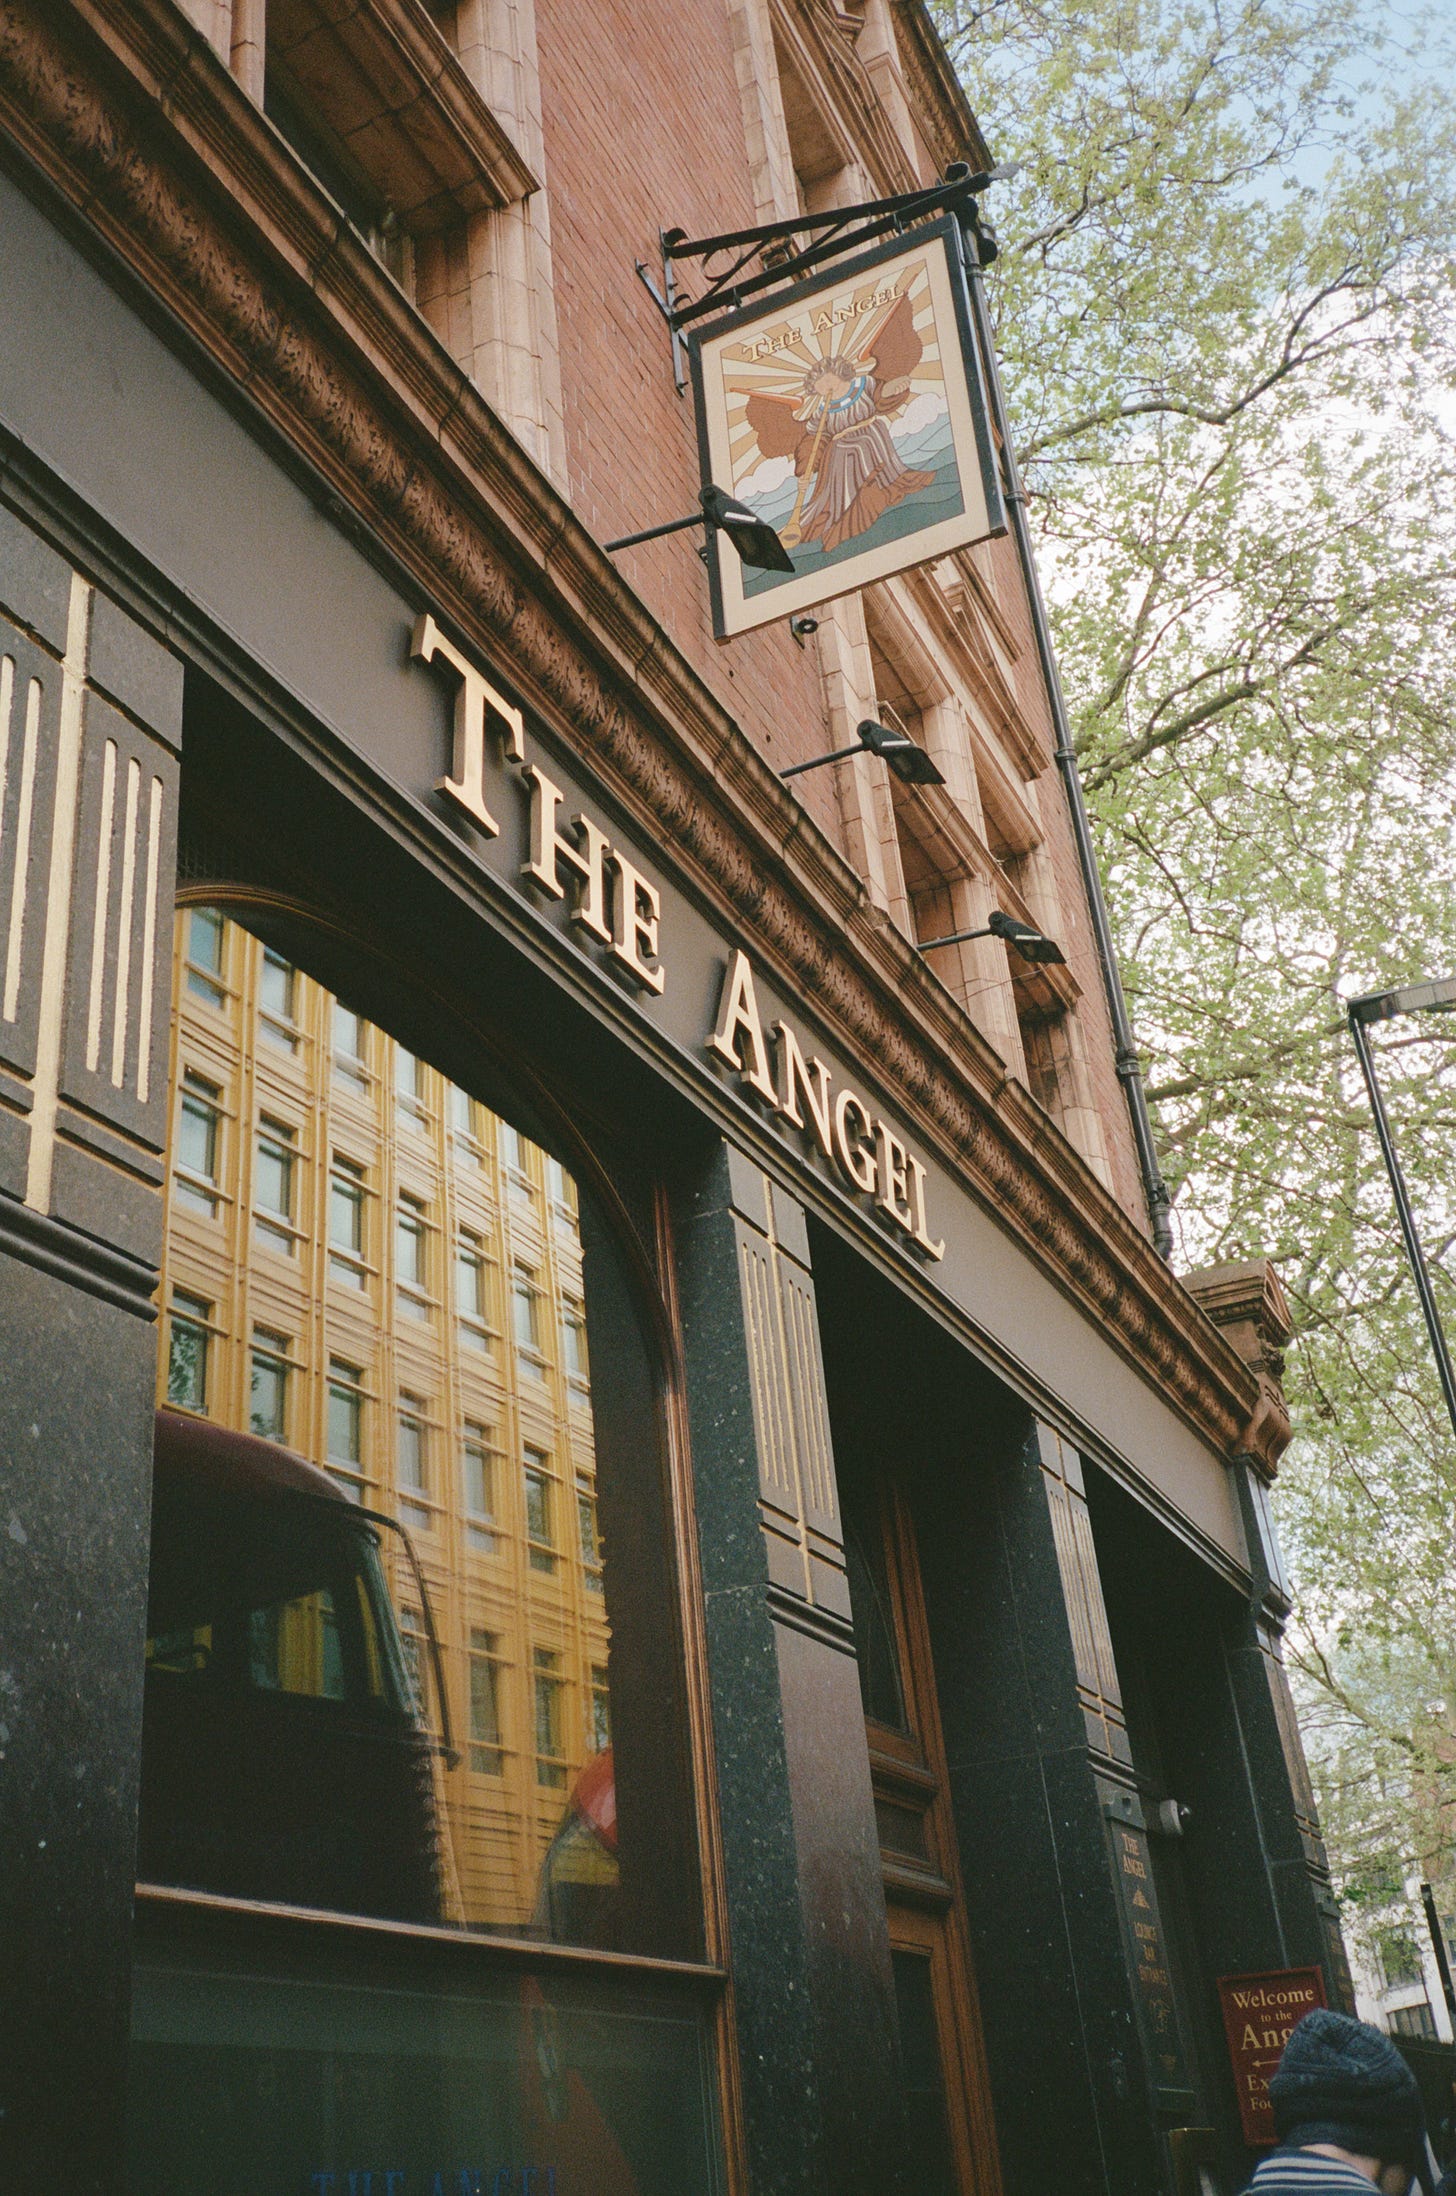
column 616, row 905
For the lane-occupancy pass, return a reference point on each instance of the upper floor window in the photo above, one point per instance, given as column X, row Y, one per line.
column 268, row 1385
column 487, row 1757
column 549, row 1691
column 540, row 1485
column 412, row 1458
column 199, row 1126
column 351, row 1047
column 187, row 1351
column 517, row 1155
column 466, row 1123
column 561, row 1190
column 347, row 1223
column 410, row 1085
column 345, row 1431
column 412, row 1257
column 474, row 1276
column 573, row 1342
column 204, row 965
column 329, row 160
column 526, row 1319
column 591, row 1547
column 274, row 1175
column 479, row 1464
column 277, row 990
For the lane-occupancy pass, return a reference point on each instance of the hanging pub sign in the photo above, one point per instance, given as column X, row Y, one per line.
column 850, row 415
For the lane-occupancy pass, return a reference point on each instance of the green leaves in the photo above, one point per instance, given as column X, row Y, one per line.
column 1225, row 310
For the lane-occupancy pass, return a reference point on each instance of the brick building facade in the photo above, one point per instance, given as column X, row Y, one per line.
column 624, row 1569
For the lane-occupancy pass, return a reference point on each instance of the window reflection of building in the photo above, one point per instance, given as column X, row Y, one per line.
column 547, row 1691
column 268, row 1386
column 198, row 1127
column 187, row 1351
column 354, row 1310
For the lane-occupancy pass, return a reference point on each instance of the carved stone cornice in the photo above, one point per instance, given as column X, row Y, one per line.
column 823, row 51
column 129, row 114
column 941, row 107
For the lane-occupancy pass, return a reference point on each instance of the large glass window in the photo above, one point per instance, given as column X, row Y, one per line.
column 412, row 1649
column 474, row 1373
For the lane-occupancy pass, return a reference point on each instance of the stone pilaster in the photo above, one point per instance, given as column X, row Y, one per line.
column 90, row 725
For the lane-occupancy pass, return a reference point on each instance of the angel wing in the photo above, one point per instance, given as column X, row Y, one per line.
column 896, row 350
column 780, row 432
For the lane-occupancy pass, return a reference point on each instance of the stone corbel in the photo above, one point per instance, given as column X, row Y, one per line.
column 1246, row 1301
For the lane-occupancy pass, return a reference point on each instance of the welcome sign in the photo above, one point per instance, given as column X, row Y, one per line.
column 1260, row 2013
column 850, row 415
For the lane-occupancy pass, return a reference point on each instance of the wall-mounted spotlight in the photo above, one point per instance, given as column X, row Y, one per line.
column 909, row 762
column 756, row 542
column 1031, row 944
column 802, row 627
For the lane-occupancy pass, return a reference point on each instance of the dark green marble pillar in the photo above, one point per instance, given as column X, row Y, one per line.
column 809, row 1951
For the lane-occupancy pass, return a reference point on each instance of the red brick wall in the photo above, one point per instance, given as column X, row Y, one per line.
column 644, row 130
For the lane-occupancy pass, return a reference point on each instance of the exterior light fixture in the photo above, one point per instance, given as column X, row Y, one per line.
column 755, row 541
column 910, row 763
column 1031, row 944
column 1383, row 1006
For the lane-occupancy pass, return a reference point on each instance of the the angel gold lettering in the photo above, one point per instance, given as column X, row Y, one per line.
column 799, row 1089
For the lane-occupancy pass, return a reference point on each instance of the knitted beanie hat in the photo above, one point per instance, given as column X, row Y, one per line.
column 1340, row 2081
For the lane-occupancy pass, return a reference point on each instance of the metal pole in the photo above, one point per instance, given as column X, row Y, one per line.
column 1129, row 1067
column 841, row 754
column 654, row 533
column 956, row 938
column 1406, row 1216
column 1438, row 1946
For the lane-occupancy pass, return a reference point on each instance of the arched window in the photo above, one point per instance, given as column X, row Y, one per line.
column 413, row 1649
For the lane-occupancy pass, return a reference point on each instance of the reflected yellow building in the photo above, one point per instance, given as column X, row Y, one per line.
column 367, row 1265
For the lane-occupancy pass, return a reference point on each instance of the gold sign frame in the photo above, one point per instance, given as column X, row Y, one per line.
column 850, row 414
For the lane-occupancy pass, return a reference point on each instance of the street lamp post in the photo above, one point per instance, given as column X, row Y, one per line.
column 1382, row 1006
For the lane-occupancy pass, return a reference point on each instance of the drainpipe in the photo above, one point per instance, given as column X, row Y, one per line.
column 981, row 250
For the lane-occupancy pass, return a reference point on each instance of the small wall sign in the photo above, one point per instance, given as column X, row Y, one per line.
column 1259, row 2013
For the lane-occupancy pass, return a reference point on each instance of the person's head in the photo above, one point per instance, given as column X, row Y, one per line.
column 831, row 379
column 1343, row 2086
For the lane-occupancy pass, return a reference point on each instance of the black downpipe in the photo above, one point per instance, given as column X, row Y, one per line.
column 1129, row 1067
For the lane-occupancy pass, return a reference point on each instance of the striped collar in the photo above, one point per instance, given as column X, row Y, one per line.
column 1306, row 2173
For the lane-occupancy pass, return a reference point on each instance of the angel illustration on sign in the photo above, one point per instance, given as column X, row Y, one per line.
column 847, row 413
column 833, row 423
